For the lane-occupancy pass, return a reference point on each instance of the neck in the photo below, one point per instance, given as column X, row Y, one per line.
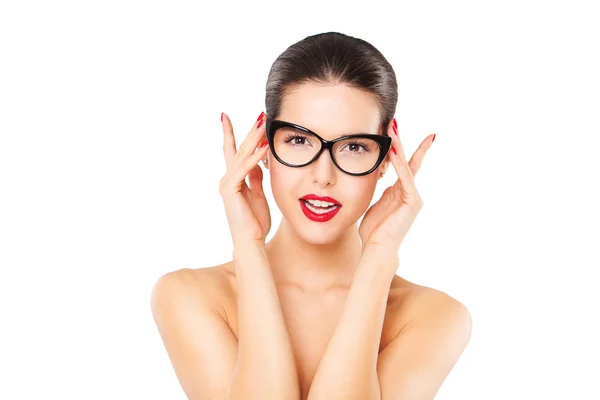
column 313, row 267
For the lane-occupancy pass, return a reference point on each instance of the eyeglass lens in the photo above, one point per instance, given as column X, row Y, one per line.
column 354, row 155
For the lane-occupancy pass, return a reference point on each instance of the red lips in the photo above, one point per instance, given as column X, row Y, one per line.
column 320, row 217
column 313, row 216
column 322, row 198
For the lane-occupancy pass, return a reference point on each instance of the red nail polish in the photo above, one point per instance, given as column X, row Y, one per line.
column 394, row 150
column 221, row 117
column 260, row 116
column 259, row 123
column 433, row 137
column 395, row 130
column 264, row 144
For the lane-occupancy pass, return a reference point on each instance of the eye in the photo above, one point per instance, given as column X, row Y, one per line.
column 294, row 137
column 356, row 144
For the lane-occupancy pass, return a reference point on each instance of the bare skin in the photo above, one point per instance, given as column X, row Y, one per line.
column 304, row 294
column 310, row 317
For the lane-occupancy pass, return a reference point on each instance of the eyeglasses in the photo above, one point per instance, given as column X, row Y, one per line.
column 296, row 146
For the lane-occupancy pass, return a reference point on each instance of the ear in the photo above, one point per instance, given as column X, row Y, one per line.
column 266, row 165
column 383, row 167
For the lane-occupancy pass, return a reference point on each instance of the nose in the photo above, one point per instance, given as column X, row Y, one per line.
column 324, row 171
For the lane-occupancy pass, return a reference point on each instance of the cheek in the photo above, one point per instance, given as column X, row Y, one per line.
column 358, row 192
column 286, row 183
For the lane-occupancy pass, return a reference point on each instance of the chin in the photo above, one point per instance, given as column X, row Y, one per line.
column 318, row 233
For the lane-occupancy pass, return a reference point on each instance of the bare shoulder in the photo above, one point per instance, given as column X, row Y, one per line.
column 191, row 319
column 199, row 280
column 203, row 286
column 414, row 302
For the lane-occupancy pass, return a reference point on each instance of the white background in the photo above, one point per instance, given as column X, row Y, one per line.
column 111, row 155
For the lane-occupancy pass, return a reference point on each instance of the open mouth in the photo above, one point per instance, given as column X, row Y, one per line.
column 319, row 209
column 319, row 212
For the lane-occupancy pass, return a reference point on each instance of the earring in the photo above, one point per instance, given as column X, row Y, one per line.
column 265, row 161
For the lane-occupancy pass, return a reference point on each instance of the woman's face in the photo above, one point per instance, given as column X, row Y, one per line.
column 329, row 111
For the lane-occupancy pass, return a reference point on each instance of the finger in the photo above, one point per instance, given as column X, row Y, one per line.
column 255, row 178
column 243, row 167
column 408, row 189
column 417, row 158
column 397, row 144
column 254, row 136
column 402, row 169
column 229, row 148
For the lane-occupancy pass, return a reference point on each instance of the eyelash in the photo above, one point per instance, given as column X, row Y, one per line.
column 289, row 138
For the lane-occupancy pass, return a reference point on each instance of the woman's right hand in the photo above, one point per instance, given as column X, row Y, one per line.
column 246, row 206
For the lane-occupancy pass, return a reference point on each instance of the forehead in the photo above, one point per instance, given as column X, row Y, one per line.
column 330, row 110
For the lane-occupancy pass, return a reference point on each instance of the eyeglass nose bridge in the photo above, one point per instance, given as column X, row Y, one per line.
column 326, row 145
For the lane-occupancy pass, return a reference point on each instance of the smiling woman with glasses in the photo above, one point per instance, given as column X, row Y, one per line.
column 317, row 312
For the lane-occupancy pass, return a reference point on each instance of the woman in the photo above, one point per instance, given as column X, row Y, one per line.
column 317, row 312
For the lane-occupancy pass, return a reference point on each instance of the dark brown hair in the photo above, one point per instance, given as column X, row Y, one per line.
column 334, row 58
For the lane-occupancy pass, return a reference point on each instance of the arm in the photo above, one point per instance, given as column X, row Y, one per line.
column 415, row 363
column 348, row 366
column 412, row 366
column 201, row 346
column 265, row 367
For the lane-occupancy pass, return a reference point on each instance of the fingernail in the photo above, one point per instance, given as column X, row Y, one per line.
column 395, row 127
column 433, row 137
column 394, row 150
column 264, row 144
column 259, row 123
column 260, row 116
column 221, row 117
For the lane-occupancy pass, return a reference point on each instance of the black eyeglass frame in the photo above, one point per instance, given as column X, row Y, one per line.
column 384, row 142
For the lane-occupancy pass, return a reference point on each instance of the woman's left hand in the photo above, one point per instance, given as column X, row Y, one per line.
column 387, row 222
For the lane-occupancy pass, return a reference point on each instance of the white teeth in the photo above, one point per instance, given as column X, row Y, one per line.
column 320, row 203
column 319, row 210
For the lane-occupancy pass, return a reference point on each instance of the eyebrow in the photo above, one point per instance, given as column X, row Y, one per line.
column 346, row 134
